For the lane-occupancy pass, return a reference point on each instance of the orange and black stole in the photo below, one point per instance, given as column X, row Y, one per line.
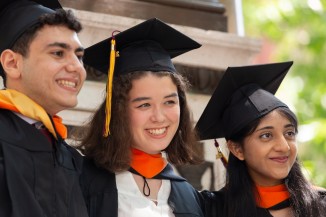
column 151, row 166
column 272, row 197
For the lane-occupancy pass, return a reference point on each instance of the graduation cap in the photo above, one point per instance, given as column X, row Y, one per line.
column 148, row 46
column 16, row 16
column 243, row 95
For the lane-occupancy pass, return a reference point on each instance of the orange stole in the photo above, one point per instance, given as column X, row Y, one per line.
column 18, row 102
column 147, row 165
column 270, row 196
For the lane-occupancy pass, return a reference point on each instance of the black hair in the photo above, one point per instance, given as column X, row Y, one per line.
column 240, row 188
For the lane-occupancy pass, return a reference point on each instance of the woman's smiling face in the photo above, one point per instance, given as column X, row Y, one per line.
column 270, row 151
column 154, row 112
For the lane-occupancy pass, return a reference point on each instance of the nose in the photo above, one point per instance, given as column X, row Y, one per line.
column 75, row 65
column 157, row 115
column 282, row 144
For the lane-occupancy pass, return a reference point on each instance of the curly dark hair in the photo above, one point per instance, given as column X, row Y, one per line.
column 113, row 153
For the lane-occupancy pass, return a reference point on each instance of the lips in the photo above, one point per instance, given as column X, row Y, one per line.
column 280, row 159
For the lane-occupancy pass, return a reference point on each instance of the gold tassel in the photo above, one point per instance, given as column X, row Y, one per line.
column 109, row 89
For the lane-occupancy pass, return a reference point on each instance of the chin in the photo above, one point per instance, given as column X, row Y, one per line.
column 71, row 104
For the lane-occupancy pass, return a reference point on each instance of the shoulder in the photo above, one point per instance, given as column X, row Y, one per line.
column 68, row 152
column 90, row 170
column 213, row 195
column 15, row 131
column 7, row 121
column 99, row 189
column 213, row 202
column 3, row 112
column 94, row 179
column 13, row 128
column 182, row 186
column 185, row 199
column 7, row 117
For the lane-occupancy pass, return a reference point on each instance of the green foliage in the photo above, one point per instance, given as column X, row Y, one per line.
column 298, row 32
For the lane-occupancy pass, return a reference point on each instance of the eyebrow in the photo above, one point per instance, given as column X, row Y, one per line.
column 65, row 46
column 270, row 127
column 289, row 126
column 138, row 99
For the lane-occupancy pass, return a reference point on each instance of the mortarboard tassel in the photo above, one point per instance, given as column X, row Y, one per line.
column 109, row 88
column 220, row 154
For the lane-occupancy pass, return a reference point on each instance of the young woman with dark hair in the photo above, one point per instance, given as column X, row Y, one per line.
column 112, row 154
column 125, row 173
column 264, row 176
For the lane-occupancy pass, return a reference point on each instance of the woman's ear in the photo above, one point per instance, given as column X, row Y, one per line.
column 236, row 149
column 11, row 63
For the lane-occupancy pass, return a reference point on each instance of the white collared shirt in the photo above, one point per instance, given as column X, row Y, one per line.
column 25, row 118
column 132, row 202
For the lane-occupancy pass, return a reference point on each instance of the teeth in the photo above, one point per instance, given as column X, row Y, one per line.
column 157, row 131
column 67, row 83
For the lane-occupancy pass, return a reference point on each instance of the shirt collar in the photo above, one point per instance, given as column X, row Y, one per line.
column 27, row 119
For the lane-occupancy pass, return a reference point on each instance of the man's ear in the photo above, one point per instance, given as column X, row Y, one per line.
column 11, row 63
column 236, row 149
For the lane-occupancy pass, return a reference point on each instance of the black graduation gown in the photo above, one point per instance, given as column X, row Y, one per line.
column 214, row 204
column 101, row 194
column 35, row 179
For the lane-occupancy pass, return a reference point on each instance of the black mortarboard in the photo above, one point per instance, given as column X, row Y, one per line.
column 243, row 95
column 16, row 16
column 148, row 46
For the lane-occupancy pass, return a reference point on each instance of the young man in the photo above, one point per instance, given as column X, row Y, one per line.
column 42, row 69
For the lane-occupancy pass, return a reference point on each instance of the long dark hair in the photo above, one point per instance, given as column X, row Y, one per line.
column 240, row 188
column 113, row 152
